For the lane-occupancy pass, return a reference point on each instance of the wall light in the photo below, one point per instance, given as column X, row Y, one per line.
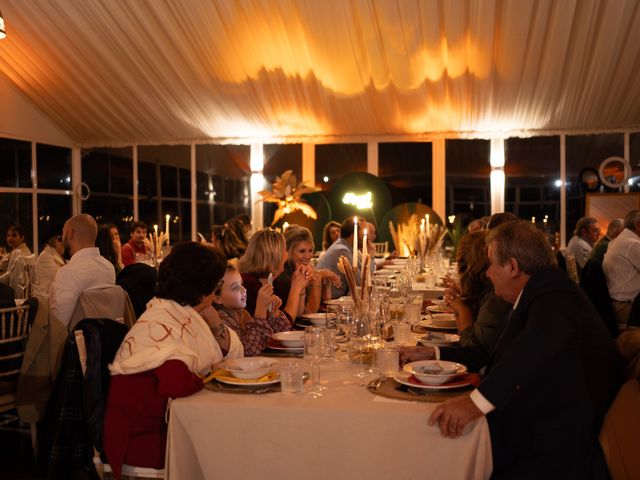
column 361, row 202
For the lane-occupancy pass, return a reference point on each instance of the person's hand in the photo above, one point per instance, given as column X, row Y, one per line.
column 309, row 272
column 414, row 354
column 299, row 280
column 453, row 416
column 331, row 276
column 209, row 314
column 276, row 303
column 263, row 300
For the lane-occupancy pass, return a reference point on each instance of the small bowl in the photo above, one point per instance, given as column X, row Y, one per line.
column 318, row 318
column 290, row 339
column 426, row 371
column 249, row 368
column 443, row 319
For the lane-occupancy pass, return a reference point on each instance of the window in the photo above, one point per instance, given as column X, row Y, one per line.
column 406, row 168
column 54, row 167
column 15, row 163
column 53, row 211
column 336, row 160
column 16, row 208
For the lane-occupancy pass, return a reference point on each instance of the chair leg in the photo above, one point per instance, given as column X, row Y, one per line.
column 33, row 430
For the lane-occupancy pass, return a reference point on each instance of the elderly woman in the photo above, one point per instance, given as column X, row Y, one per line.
column 330, row 234
column 300, row 252
column 16, row 247
column 173, row 344
column 266, row 256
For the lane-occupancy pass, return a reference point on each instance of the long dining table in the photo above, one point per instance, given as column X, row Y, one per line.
column 347, row 433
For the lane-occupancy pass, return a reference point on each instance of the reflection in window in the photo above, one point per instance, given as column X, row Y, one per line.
column 15, row 163
column 53, row 211
column 586, row 152
column 407, row 169
column 532, row 170
column 16, row 208
column 467, row 179
column 54, row 167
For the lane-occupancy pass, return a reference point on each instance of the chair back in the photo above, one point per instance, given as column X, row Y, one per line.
column 139, row 281
column 572, row 268
column 23, row 275
column 594, row 284
column 110, row 302
column 382, row 248
column 14, row 330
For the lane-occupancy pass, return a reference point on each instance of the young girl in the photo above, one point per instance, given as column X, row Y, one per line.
column 230, row 301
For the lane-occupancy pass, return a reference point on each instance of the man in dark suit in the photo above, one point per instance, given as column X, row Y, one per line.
column 552, row 373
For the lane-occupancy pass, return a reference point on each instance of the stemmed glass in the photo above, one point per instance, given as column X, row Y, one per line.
column 313, row 356
column 22, row 282
column 359, row 343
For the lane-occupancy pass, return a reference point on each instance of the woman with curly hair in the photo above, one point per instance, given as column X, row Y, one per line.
column 225, row 239
column 172, row 345
column 479, row 311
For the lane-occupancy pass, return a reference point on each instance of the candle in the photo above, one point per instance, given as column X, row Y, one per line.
column 355, row 243
column 155, row 229
column 422, row 226
column 428, row 226
column 167, row 227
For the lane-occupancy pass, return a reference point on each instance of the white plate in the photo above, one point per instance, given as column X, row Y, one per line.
column 446, row 340
column 426, row 322
column 422, row 287
column 397, row 268
column 449, row 371
column 403, row 378
column 318, row 318
column 443, row 320
column 340, row 301
column 293, row 339
column 248, row 384
column 286, row 349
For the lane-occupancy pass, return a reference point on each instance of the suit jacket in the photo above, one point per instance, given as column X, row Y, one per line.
column 551, row 377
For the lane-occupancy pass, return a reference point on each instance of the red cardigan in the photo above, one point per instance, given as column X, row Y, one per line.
column 135, row 431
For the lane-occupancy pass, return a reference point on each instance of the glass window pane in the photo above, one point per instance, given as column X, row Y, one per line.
column 108, row 170
column 185, row 184
column 532, row 170
column 54, row 166
column 95, row 170
column 280, row 158
column 148, row 213
column 16, row 208
column 168, row 181
column 336, row 160
column 110, row 209
column 15, row 163
column 53, row 211
column 147, row 180
column 467, row 179
column 407, row 169
column 180, row 220
column 586, row 152
column 121, row 173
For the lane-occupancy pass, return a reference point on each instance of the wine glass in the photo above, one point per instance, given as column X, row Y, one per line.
column 22, row 282
column 313, row 356
column 359, row 343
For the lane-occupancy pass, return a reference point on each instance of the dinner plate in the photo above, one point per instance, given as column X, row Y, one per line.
column 406, row 378
column 442, row 340
column 318, row 318
column 428, row 324
column 228, row 381
column 274, row 345
column 340, row 301
column 422, row 287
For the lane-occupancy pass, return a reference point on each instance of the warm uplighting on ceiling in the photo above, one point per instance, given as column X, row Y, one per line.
column 3, row 31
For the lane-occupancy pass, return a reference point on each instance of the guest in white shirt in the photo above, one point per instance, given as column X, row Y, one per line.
column 584, row 237
column 47, row 265
column 17, row 247
column 621, row 267
column 87, row 269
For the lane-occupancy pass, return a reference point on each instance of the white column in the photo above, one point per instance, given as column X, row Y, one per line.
column 438, row 175
column 309, row 163
column 627, row 157
column 76, row 179
column 372, row 158
column 136, row 210
column 194, row 197
column 256, row 163
column 563, row 190
column 497, row 178
column 34, row 197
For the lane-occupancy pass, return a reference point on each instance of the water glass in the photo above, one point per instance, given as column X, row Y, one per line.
column 328, row 343
column 412, row 313
column 313, row 356
column 291, row 377
column 388, row 360
column 401, row 333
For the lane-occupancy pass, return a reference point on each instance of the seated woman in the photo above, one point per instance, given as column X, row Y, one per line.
column 330, row 234
column 254, row 332
column 300, row 252
column 225, row 239
column 16, row 247
column 109, row 246
column 266, row 255
column 480, row 312
column 164, row 355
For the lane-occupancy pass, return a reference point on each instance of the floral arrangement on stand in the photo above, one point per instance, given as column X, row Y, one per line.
column 417, row 237
column 287, row 193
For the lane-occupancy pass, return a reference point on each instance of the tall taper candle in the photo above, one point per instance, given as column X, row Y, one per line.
column 167, row 227
column 428, row 227
column 355, row 243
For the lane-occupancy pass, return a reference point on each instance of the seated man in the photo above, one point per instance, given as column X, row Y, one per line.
column 552, row 373
column 584, row 237
column 344, row 247
column 87, row 269
column 621, row 266
column 136, row 244
column 600, row 248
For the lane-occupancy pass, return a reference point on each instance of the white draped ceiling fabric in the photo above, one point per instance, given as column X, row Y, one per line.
column 120, row 72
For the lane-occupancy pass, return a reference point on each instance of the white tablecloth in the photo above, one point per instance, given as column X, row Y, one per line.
column 347, row 434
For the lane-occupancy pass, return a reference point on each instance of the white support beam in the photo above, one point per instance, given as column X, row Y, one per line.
column 76, row 179
column 136, row 210
column 438, row 173
column 256, row 163
column 34, row 196
column 497, row 177
column 194, row 203
column 372, row 158
column 627, row 157
column 309, row 163
column 563, row 190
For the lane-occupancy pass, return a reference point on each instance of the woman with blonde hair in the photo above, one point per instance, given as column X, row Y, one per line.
column 265, row 258
column 300, row 252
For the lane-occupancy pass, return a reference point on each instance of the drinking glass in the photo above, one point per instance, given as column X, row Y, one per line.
column 359, row 343
column 291, row 378
column 313, row 356
column 345, row 317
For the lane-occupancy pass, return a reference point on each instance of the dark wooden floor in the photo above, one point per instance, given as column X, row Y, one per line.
column 16, row 457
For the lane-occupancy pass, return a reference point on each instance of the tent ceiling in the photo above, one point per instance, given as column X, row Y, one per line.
column 123, row 72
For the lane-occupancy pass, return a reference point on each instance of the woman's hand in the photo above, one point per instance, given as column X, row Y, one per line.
column 263, row 300
column 218, row 328
column 299, row 280
column 331, row 276
column 276, row 303
column 464, row 315
column 414, row 354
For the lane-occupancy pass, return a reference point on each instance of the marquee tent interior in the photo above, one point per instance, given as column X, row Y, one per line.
column 152, row 72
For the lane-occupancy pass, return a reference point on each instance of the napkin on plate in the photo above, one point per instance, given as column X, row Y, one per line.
column 225, row 375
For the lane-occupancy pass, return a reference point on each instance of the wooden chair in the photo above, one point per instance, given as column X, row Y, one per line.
column 101, row 467
column 14, row 331
column 382, row 248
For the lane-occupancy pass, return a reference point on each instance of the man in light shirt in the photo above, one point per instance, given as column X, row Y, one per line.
column 87, row 269
column 621, row 266
column 551, row 374
column 584, row 238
